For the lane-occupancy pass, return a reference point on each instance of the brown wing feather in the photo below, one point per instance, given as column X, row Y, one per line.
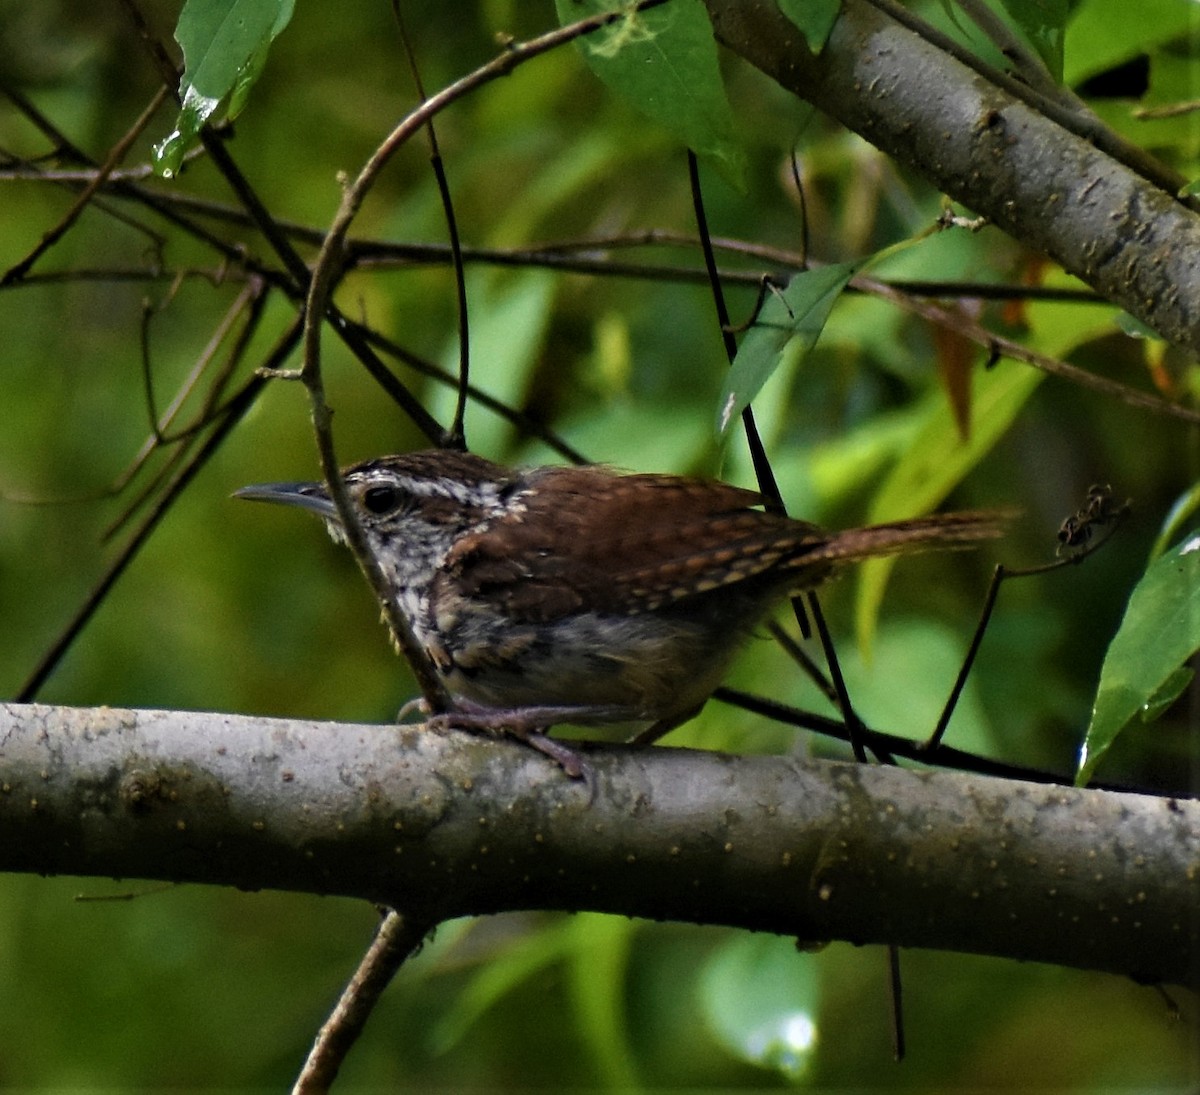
column 674, row 537
column 634, row 543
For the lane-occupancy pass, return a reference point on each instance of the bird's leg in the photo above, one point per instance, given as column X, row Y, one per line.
column 529, row 725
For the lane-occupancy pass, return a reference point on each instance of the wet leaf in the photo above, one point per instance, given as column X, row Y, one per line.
column 225, row 45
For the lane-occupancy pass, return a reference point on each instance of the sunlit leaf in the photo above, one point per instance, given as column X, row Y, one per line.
column 225, row 45
column 789, row 322
column 760, row 999
column 814, row 17
column 664, row 63
column 1159, row 632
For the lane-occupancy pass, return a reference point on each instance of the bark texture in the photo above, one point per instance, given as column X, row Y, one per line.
column 444, row 825
column 1044, row 172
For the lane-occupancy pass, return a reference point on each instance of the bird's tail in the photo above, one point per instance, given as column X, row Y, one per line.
column 936, row 532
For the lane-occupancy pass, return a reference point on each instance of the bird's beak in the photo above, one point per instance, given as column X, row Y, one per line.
column 310, row 496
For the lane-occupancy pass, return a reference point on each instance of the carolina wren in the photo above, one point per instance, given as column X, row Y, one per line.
column 560, row 594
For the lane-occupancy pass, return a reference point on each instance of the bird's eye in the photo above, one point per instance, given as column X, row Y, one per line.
column 380, row 500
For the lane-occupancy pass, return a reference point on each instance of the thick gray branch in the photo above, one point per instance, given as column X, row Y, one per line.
column 443, row 825
column 998, row 154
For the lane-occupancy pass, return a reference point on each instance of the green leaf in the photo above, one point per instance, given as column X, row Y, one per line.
column 597, row 980
column 1134, row 327
column 1044, row 24
column 509, row 315
column 814, row 17
column 789, row 322
column 950, row 11
column 936, row 463
column 1101, row 36
column 760, row 999
column 1160, row 631
column 664, row 63
column 225, row 45
column 503, row 973
column 1182, row 510
column 1170, row 691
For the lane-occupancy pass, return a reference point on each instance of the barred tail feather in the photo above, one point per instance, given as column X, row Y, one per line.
column 938, row 532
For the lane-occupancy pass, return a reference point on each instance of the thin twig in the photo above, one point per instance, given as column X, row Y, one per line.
column 527, row 426
column 768, row 486
column 212, row 409
column 235, row 410
column 396, row 940
column 1006, row 347
column 115, row 156
column 50, row 659
column 456, row 437
column 297, row 286
column 160, row 424
column 67, row 148
column 897, row 1001
column 989, row 603
column 902, row 748
column 804, row 608
column 1033, row 71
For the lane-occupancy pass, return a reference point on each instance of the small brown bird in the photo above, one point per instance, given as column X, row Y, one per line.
column 559, row 594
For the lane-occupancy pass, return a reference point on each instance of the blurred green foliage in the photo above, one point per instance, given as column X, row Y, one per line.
column 240, row 609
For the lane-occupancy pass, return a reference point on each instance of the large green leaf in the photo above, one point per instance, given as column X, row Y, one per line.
column 664, row 62
column 1160, row 631
column 788, row 323
column 225, row 45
